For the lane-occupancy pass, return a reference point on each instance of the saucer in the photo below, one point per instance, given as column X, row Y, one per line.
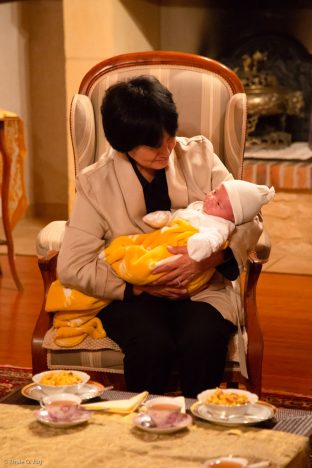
column 82, row 416
column 256, row 413
column 184, row 421
column 89, row 390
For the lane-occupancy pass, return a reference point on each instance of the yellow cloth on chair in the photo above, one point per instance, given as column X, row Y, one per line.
column 133, row 258
column 75, row 318
column 72, row 327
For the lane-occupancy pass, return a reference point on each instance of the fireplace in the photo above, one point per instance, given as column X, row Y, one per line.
column 226, row 31
column 281, row 32
column 276, row 71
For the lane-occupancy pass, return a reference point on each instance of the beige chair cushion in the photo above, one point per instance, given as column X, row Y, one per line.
column 100, row 361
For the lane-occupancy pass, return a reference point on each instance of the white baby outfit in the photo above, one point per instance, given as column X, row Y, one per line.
column 246, row 200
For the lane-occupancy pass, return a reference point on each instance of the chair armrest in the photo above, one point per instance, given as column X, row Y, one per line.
column 257, row 258
column 47, row 266
column 50, row 238
column 261, row 252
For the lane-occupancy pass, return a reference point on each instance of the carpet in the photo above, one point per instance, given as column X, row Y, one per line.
column 286, row 400
column 14, row 377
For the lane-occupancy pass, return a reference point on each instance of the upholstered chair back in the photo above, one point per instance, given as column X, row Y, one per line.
column 209, row 98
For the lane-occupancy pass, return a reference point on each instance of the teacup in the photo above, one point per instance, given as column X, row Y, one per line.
column 163, row 410
column 61, row 406
column 226, row 462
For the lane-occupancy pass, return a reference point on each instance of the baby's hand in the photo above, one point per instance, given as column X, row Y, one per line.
column 157, row 219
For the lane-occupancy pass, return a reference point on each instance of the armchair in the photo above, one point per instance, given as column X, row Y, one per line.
column 211, row 101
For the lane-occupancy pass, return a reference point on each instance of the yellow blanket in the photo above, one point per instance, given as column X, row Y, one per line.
column 133, row 258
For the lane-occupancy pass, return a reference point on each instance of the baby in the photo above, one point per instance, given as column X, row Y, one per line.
column 231, row 203
column 204, row 227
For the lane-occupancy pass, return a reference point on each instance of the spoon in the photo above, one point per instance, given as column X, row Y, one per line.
column 147, row 421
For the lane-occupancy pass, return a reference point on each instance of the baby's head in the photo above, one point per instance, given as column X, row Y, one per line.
column 237, row 200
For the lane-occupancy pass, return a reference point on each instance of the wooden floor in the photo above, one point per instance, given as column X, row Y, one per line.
column 285, row 309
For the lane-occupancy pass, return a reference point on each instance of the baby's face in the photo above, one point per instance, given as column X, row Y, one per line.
column 217, row 203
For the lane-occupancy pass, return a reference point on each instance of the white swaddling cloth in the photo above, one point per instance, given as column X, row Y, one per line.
column 212, row 230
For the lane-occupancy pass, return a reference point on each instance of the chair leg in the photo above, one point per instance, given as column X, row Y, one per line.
column 232, row 385
column 12, row 262
column 255, row 337
column 47, row 266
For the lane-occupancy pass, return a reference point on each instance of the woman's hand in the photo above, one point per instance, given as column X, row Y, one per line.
column 180, row 272
column 168, row 292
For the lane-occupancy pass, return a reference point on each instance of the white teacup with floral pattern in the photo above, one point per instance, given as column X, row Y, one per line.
column 61, row 406
column 164, row 411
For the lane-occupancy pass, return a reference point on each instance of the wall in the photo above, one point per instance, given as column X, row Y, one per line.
column 213, row 28
column 32, row 85
column 288, row 222
column 105, row 29
column 46, row 48
column 44, row 21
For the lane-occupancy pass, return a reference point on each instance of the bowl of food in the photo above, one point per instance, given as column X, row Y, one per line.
column 60, row 381
column 223, row 403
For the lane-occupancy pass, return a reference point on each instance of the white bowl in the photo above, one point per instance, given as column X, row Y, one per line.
column 230, row 409
column 71, row 388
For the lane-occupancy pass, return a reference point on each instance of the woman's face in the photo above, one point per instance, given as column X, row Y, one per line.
column 153, row 159
column 217, row 203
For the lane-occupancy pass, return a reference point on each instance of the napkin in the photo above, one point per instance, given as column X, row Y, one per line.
column 118, row 406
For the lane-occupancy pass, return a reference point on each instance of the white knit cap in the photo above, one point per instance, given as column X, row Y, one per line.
column 247, row 198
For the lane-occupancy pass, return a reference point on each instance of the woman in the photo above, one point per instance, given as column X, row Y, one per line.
column 157, row 326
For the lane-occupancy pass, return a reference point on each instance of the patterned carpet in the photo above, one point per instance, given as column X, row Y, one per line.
column 13, row 377
column 288, row 401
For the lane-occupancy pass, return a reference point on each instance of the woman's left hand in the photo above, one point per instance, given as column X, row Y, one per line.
column 183, row 270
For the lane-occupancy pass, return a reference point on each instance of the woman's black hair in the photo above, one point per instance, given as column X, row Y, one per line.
column 137, row 112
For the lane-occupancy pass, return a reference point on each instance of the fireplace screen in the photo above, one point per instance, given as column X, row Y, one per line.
column 277, row 74
column 269, row 103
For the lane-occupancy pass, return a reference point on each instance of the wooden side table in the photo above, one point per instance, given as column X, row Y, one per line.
column 12, row 185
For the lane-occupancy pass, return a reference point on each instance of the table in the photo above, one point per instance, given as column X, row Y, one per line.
column 110, row 440
column 12, row 184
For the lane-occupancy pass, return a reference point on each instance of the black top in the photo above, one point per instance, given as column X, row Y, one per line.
column 156, row 194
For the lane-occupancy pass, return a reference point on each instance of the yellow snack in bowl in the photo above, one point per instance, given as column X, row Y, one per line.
column 221, row 398
column 60, row 378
